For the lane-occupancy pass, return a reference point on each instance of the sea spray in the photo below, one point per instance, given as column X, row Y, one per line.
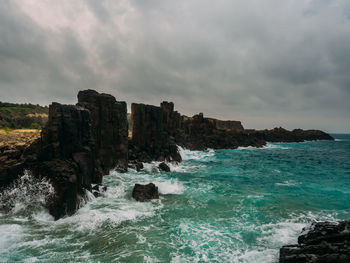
column 219, row 206
column 26, row 193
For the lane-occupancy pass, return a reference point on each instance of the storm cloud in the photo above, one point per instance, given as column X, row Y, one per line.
column 267, row 63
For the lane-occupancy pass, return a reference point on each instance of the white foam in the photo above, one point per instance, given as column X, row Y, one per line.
column 195, row 155
column 171, row 186
column 9, row 234
column 265, row 147
column 287, row 183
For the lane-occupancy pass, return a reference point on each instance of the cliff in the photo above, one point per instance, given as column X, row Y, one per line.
column 66, row 156
column 200, row 133
column 227, row 125
column 109, row 128
column 152, row 133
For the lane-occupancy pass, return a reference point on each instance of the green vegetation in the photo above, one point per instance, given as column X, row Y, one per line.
column 22, row 116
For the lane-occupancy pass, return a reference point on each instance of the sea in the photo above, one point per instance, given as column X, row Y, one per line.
column 237, row 205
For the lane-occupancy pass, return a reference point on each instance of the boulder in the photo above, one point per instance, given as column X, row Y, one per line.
column 146, row 192
column 164, row 167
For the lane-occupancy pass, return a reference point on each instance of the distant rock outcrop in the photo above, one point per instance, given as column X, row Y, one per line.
column 109, row 128
column 227, row 125
column 325, row 242
column 200, row 133
column 297, row 135
column 146, row 192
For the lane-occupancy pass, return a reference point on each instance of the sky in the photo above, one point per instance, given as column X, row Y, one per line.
column 268, row 63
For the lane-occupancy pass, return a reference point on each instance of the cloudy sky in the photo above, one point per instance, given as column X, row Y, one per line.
column 265, row 62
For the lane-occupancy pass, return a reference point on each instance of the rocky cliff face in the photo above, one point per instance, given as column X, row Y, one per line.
column 109, row 128
column 325, row 242
column 152, row 134
column 200, row 133
column 66, row 156
column 228, row 125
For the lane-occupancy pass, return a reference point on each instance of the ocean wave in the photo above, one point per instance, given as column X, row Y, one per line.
column 171, row 186
column 195, row 155
column 287, row 183
column 268, row 145
column 26, row 194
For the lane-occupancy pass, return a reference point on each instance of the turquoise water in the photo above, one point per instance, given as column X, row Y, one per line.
column 217, row 206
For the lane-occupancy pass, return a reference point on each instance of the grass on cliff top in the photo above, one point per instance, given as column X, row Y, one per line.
column 22, row 109
column 22, row 116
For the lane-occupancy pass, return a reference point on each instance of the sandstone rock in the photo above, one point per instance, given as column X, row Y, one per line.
column 109, row 128
column 146, row 192
column 164, row 167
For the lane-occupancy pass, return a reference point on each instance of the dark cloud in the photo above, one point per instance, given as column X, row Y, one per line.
column 271, row 63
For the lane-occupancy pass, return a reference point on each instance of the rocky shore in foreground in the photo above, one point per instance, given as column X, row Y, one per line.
column 326, row 242
column 81, row 143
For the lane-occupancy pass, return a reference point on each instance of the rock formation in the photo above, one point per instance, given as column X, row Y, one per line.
column 200, row 133
column 109, row 128
column 326, row 242
column 67, row 157
column 227, row 125
column 152, row 133
column 80, row 143
column 164, row 167
column 146, row 192
column 297, row 135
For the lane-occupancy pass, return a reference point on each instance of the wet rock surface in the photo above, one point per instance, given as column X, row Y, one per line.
column 164, row 167
column 146, row 192
column 326, row 242
column 66, row 156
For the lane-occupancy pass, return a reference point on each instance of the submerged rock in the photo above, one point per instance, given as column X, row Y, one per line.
column 136, row 165
column 164, row 167
column 325, row 242
column 146, row 192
